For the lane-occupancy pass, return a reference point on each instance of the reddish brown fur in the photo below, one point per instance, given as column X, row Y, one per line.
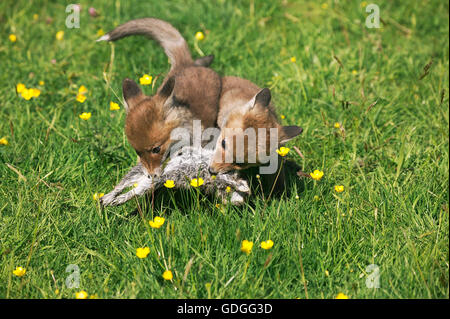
column 235, row 112
column 193, row 93
column 150, row 120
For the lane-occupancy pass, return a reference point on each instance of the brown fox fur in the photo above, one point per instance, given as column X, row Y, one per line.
column 244, row 105
column 190, row 91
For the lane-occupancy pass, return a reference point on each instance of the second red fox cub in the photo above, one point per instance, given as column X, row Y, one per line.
column 190, row 91
column 244, row 112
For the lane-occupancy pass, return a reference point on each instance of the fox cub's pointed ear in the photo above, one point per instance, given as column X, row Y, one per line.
column 166, row 89
column 263, row 97
column 287, row 133
column 132, row 93
column 204, row 61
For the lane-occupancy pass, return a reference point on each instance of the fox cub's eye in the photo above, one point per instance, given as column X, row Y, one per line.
column 156, row 150
column 223, row 143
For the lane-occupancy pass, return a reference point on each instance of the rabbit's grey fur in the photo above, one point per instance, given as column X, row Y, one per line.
column 187, row 164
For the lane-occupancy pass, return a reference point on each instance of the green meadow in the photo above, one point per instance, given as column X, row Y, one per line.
column 385, row 236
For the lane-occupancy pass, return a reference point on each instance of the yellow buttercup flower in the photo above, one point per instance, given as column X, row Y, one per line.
column 157, row 222
column 12, row 38
column 82, row 89
column 85, row 116
column 81, row 295
column 199, row 36
column 35, row 16
column 167, row 275
column 282, row 116
column 324, row 6
column 35, row 92
column 135, row 185
column 81, row 98
column 3, row 141
column 59, row 35
column 41, row 83
column 20, row 87
column 354, row 72
column 282, row 151
column 316, row 175
column 363, row 4
column 113, row 106
column 267, row 244
column 339, row 188
column 293, row 59
column 97, row 196
column 213, row 177
column 142, row 252
column 341, row 296
column 19, row 271
column 246, row 246
column 146, row 79
column 337, row 125
column 316, row 198
column 100, row 32
column 228, row 189
column 196, row 182
column 27, row 94
column 169, row 183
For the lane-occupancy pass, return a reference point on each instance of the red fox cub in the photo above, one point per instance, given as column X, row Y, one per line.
column 250, row 131
column 190, row 91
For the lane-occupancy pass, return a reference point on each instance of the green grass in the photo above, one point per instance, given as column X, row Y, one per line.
column 393, row 158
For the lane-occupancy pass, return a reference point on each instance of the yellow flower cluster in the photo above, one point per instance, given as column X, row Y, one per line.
column 27, row 94
column 199, row 36
column 341, row 296
column 142, row 252
column 81, row 295
column 247, row 246
column 19, row 271
column 113, row 106
column 197, row 182
column 59, row 35
column 81, row 97
column 167, row 275
column 157, row 222
column 267, row 244
column 283, row 151
column 146, row 79
column 316, row 175
column 97, row 196
column 169, row 183
column 85, row 116
column 3, row 141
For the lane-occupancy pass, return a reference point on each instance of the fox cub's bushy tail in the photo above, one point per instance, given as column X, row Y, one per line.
column 164, row 33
